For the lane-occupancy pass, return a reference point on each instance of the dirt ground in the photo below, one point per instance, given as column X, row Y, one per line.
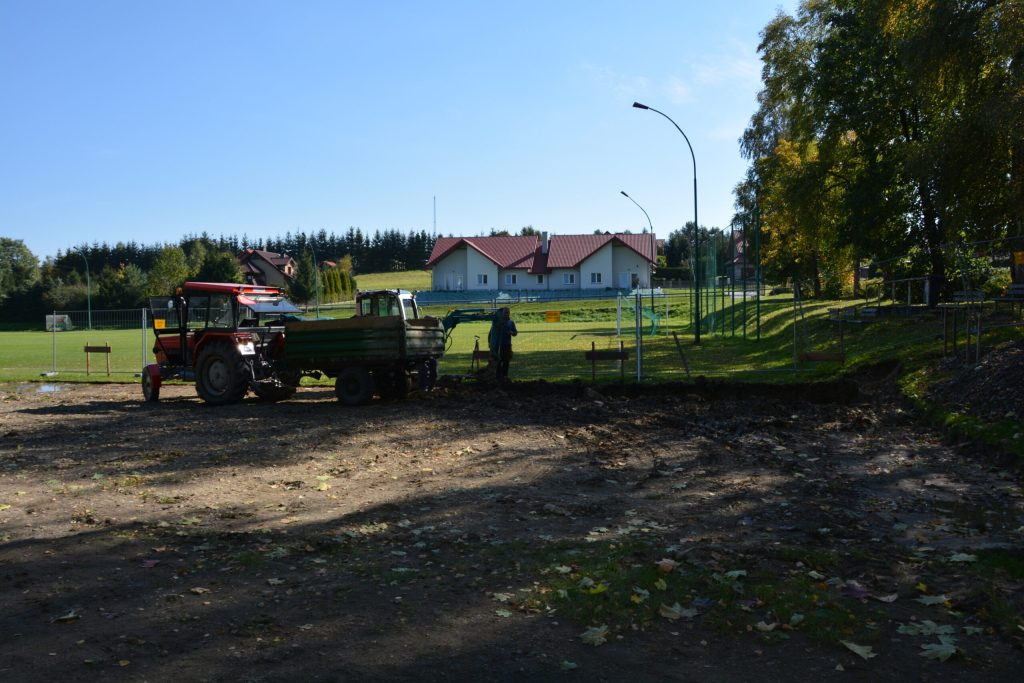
column 434, row 538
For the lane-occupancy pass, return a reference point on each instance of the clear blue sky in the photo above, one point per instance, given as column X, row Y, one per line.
column 150, row 120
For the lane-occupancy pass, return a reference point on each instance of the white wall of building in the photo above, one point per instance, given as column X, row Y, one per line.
column 557, row 278
column 597, row 266
column 524, row 280
column 478, row 265
column 449, row 274
column 625, row 260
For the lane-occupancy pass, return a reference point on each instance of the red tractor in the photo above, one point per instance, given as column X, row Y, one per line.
column 225, row 337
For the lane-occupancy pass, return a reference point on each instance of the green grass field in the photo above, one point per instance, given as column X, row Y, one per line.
column 413, row 280
column 555, row 350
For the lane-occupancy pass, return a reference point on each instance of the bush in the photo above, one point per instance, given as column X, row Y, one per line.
column 997, row 283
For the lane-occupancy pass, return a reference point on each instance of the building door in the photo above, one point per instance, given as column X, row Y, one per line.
column 624, row 280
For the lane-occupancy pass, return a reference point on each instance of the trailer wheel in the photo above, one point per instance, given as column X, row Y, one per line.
column 268, row 391
column 354, row 386
column 222, row 375
column 150, row 391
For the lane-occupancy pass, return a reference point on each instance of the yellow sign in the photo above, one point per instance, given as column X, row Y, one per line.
column 552, row 316
column 159, row 323
column 1018, row 258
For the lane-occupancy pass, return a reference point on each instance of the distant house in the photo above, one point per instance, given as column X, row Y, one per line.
column 616, row 261
column 267, row 268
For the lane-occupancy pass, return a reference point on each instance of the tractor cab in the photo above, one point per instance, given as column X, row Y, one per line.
column 246, row 315
column 387, row 302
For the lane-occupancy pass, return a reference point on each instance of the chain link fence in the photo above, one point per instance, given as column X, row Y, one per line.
column 100, row 342
column 643, row 336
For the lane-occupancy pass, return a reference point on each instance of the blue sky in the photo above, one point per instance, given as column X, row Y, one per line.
column 148, row 121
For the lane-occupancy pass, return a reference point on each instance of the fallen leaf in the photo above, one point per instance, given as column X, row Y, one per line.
column 275, row 582
column 5, row 506
column 963, row 557
column 942, row 650
column 67, row 617
column 931, row 599
column 150, row 563
column 795, row 618
column 503, row 597
column 765, row 628
column 198, row 590
column 886, row 598
column 735, row 573
column 504, row 613
column 925, row 628
column 562, row 569
column 973, row 630
column 661, row 585
column 676, row 611
column 863, row 651
column 666, row 565
column 566, row 665
column 639, row 595
column 595, row 635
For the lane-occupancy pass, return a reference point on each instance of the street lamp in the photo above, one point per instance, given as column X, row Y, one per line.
column 696, row 243
column 654, row 244
column 88, row 288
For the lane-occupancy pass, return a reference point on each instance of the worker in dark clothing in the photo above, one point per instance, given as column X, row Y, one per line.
column 506, row 330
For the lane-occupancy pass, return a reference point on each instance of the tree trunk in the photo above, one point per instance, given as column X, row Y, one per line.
column 933, row 242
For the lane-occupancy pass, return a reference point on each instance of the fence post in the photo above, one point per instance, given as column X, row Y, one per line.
column 639, row 338
column 53, row 326
column 143, row 338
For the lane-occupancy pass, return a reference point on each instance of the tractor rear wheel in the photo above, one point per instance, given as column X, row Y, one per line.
column 150, row 391
column 222, row 376
column 287, row 385
column 354, row 386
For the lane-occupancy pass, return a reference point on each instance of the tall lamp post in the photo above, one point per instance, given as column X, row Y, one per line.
column 654, row 243
column 88, row 288
column 696, row 243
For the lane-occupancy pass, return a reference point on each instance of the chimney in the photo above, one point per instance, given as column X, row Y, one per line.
column 544, row 242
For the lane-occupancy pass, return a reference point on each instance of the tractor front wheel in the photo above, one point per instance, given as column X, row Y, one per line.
column 222, row 376
column 150, row 391
column 354, row 386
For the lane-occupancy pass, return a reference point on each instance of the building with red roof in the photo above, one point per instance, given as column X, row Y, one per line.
column 267, row 268
column 600, row 261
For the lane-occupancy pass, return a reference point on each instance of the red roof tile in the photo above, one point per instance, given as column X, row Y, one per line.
column 503, row 251
column 564, row 251
column 568, row 251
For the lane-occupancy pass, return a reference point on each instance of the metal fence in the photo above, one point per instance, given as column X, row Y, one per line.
column 647, row 335
column 99, row 342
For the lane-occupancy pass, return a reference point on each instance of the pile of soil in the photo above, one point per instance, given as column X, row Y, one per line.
column 992, row 389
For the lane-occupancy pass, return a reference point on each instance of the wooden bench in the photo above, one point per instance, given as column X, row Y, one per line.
column 105, row 349
column 593, row 355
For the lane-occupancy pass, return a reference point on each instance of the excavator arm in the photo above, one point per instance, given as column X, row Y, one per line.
column 465, row 315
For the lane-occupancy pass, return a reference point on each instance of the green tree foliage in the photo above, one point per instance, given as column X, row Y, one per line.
column 307, row 283
column 170, row 270
column 19, row 268
column 220, row 266
column 884, row 124
column 124, row 287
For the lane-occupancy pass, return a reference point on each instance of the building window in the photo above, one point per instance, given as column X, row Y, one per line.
column 595, row 278
column 568, row 278
column 511, row 278
column 481, row 278
column 540, row 279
